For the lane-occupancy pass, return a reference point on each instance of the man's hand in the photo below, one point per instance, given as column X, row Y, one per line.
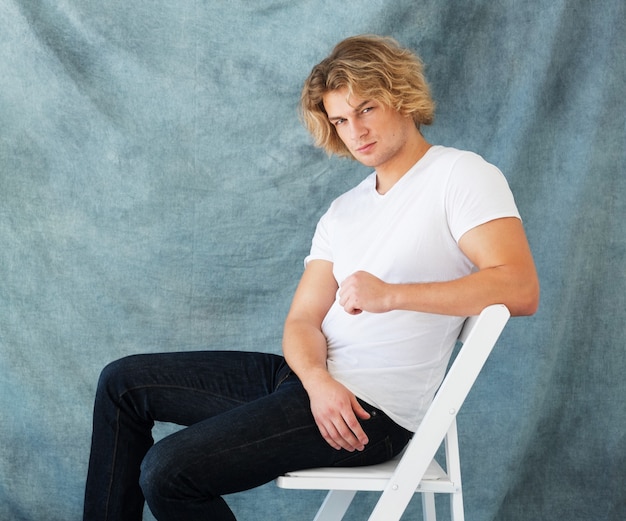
column 362, row 291
column 336, row 410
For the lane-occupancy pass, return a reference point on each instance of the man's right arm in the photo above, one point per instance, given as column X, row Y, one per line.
column 334, row 407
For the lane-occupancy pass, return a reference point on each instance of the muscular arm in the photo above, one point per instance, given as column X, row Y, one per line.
column 506, row 275
column 334, row 408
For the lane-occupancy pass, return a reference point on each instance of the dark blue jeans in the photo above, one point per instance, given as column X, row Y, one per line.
column 248, row 421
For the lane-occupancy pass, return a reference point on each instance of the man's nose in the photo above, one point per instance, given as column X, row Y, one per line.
column 357, row 131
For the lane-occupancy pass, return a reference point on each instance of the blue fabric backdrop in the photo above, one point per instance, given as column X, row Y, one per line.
column 158, row 193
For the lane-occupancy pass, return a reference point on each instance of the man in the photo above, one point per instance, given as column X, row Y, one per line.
column 431, row 236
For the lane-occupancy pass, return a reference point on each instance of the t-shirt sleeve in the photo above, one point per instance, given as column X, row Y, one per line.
column 477, row 193
column 320, row 245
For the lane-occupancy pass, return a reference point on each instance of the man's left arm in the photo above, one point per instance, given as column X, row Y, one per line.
column 506, row 275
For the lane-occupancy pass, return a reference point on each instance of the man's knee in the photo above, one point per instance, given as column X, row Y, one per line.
column 164, row 476
column 153, row 478
column 115, row 377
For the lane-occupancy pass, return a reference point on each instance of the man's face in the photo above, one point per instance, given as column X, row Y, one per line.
column 375, row 134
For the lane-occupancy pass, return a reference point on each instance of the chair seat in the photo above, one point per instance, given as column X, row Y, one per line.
column 371, row 478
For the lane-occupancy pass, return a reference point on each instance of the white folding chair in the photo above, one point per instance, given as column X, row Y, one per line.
column 416, row 469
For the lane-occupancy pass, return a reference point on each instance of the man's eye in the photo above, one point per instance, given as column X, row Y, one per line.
column 339, row 122
column 368, row 109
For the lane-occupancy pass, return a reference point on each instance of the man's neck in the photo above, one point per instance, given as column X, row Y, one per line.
column 389, row 174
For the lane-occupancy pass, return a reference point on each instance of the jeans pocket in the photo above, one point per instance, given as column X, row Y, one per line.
column 374, row 452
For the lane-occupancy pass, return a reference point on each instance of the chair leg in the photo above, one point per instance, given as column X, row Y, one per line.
column 428, row 506
column 335, row 505
column 456, row 506
column 454, row 471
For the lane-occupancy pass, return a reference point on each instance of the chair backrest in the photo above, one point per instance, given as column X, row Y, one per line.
column 479, row 335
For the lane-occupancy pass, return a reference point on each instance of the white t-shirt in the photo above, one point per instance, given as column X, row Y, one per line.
column 395, row 361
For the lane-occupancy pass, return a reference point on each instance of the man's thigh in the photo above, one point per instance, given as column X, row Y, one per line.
column 188, row 387
column 243, row 447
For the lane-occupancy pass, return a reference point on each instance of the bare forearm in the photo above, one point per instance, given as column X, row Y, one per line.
column 305, row 350
column 304, row 344
column 517, row 289
column 469, row 295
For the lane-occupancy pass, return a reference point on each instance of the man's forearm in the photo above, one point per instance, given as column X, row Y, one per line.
column 461, row 297
column 470, row 294
column 305, row 351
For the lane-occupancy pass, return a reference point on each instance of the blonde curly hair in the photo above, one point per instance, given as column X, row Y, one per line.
column 372, row 68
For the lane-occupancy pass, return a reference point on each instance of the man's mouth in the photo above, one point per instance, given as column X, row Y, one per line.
column 365, row 148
